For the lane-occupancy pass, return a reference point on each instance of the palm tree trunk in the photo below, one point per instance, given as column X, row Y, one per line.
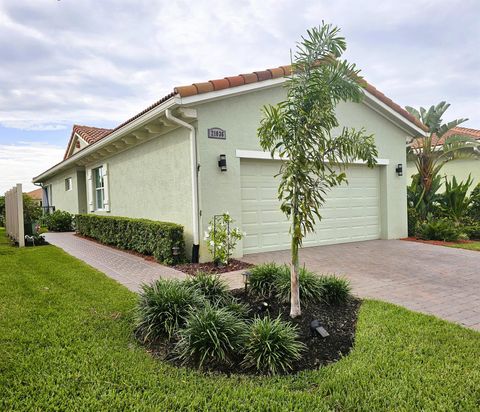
column 295, row 309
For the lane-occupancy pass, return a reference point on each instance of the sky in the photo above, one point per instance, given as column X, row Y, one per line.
column 97, row 63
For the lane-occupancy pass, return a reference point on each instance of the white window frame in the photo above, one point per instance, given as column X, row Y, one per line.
column 69, row 186
column 92, row 189
column 98, row 170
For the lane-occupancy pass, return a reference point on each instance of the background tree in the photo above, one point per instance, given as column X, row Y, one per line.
column 2, row 210
column 31, row 210
column 430, row 155
column 300, row 130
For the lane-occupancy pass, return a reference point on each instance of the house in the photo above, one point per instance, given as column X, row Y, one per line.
column 37, row 196
column 460, row 168
column 164, row 164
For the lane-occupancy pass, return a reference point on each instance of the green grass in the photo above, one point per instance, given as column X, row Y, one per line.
column 66, row 344
column 468, row 246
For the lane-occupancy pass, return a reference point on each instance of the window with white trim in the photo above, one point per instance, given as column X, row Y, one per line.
column 68, row 184
column 99, row 188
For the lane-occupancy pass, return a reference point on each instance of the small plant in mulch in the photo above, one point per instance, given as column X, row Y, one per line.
column 221, row 238
column 201, row 324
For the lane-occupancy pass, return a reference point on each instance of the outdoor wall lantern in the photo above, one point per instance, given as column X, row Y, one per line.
column 399, row 170
column 222, row 162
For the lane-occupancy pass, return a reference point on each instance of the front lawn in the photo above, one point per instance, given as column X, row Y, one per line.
column 66, row 344
column 468, row 246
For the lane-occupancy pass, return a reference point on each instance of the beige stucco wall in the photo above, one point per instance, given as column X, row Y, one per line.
column 152, row 181
column 66, row 200
column 460, row 168
column 240, row 117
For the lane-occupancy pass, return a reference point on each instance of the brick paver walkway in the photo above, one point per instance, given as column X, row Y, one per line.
column 128, row 269
column 437, row 280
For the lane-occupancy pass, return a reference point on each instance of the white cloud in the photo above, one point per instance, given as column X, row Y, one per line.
column 99, row 63
column 20, row 162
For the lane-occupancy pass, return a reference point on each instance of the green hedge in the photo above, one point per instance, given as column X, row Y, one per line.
column 144, row 236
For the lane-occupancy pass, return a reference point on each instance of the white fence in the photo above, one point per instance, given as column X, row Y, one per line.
column 14, row 215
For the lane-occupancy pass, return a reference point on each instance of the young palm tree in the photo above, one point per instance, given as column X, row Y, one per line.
column 300, row 128
column 430, row 155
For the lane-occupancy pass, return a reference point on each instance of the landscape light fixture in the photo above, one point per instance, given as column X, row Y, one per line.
column 222, row 163
column 399, row 170
column 175, row 251
column 316, row 328
column 246, row 279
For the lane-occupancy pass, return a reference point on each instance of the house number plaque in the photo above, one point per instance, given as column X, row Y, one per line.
column 217, row 133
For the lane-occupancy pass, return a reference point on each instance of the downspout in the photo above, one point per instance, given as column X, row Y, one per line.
column 194, row 176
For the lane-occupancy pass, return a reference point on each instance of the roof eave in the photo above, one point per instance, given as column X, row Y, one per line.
column 371, row 100
column 117, row 134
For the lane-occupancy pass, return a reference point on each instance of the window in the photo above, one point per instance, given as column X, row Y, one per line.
column 68, row 184
column 99, row 187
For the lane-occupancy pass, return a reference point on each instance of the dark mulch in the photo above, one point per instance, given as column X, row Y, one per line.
column 209, row 267
column 339, row 321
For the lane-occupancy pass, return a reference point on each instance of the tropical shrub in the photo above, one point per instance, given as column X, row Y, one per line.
column 423, row 202
column 455, row 201
column 162, row 240
column 221, row 238
column 211, row 334
column 474, row 210
column 439, row 229
column 262, row 279
column 272, row 346
column 212, row 287
column 413, row 219
column 59, row 221
column 163, row 307
column 473, row 231
column 336, row 290
column 311, row 287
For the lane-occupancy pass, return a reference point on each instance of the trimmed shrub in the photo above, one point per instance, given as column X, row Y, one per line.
column 141, row 235
column 272, row 346
column 336, row 290
column 212, row 287
column 262, row 279
column 163, row 307
column 473, row 231
column 210, row 334
column 311, row 288
column 59, row 221
column 441, row 229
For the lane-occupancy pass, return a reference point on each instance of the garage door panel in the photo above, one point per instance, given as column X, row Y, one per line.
column 351, row 212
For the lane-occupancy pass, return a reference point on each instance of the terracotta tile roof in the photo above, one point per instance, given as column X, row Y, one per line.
column 87, row 133
column 94, row 134
column 464, row 131
column 282, row 71
column 35, row 194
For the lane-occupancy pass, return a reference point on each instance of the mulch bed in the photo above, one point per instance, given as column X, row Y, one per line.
column 209, row 267
column 436, row 242
column 339, row 321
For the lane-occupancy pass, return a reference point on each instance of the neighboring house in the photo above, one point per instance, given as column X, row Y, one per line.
column 460, row 168
column 37, row 196
column 163, row 164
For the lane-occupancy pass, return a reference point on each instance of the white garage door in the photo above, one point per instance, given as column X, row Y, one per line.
column 351, row 213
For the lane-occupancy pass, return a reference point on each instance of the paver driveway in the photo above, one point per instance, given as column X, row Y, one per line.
column 432, row 279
